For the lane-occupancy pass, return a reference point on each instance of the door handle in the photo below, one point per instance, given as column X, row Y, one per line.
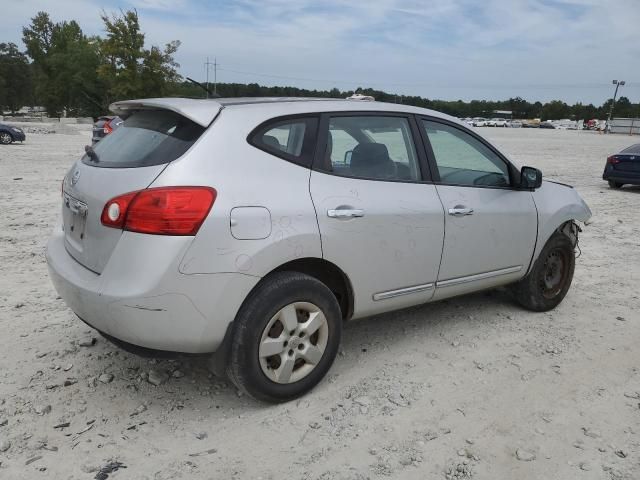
column 460, row 211
column 345, row 213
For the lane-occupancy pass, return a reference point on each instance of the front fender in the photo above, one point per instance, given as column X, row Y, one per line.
column 557, row 204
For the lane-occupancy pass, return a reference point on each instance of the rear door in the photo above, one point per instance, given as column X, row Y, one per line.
column 490, row 227
column 127, row 160
column 379, row 220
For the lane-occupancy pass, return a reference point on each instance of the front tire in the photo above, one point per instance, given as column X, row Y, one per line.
column 5, row 138
column 550, row 278
column 614, row 184
column 286, row 337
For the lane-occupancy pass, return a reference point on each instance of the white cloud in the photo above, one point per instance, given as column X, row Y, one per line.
column 569, row 49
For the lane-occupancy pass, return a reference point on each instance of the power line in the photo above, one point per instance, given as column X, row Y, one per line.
column 425, row 84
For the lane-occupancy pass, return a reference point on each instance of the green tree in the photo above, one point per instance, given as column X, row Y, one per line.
column 129, row 70
column 65, row 64
column 15, row 78
column 159, row 72
column 555, row 110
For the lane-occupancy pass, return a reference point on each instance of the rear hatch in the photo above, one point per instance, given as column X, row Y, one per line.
column 127, row 160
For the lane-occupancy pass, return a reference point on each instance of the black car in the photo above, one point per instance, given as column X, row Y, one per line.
column 624, row 167
column 547, row 125
column 104, row 126
column 9, row 134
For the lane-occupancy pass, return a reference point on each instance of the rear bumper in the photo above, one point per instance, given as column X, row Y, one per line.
column 621, row 176
column 140, row 298
column 632, row 178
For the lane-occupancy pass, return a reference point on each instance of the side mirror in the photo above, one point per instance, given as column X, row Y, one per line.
column 530, row 178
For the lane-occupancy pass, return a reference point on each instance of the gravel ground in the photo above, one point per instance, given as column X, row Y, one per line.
column 473, row 387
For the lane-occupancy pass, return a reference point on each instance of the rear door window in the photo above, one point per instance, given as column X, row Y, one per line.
column 371, row 147
column 147, row 137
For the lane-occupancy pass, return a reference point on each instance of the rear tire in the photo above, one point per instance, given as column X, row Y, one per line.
column 286, row 337
column 5, row 138
column 616, row 185
column 550, row 278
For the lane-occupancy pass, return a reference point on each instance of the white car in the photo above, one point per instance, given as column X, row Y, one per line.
column 479, row 122
column 498, row 122
column 254, row 228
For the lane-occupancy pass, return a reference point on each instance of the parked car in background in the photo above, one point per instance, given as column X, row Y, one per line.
column 547, row 124
column 566, row 124
column 255, row 227
column 104, row 126
column 467, row 121
column 497, row 122
column 10, row 134
column 623, row 167
column 479, row 122
column 515, row 124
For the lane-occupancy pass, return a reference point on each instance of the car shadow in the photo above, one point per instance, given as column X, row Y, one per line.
column 187, row 383
column 370, row 336
column 630, row 188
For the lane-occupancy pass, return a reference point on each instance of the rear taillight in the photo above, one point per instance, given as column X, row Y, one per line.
column 160, row 211
column 613, row 160
column 108, row 128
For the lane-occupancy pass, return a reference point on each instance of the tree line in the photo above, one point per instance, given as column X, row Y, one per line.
column 74, row 74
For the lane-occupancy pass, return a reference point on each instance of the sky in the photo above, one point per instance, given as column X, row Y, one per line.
column 568, row 50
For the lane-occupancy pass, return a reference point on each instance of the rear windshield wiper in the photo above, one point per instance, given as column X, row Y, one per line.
column 91, row 153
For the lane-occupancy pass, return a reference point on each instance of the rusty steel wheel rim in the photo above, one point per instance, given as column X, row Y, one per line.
column 555, row 271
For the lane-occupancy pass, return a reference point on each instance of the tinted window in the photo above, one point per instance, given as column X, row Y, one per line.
column 147, row 137
column 292, row 139
column 464, row 160
column 285, row 137
column 374, row 147
column 633, row 149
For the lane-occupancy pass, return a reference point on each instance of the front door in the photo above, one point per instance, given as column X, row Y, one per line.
column 379, row 221
column 490, row 227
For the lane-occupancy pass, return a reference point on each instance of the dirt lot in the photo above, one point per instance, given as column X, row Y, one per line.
column 475, row 384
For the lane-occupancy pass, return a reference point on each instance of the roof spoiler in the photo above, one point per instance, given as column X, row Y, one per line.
column 202, row 112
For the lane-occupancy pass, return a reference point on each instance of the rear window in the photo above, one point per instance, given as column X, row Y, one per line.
column 146, row 138
column 633, row 149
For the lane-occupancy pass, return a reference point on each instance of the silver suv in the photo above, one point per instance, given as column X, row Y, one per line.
column 253, row 228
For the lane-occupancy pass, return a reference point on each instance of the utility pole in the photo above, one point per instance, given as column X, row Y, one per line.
column 207, row 64
column 615, row 94
column 215, row 76
column 215, row 64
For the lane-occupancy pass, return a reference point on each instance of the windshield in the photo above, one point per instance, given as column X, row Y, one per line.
column 147, row 137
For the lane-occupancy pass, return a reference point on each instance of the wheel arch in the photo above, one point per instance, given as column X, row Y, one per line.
column 329, row 274
column 323, row 270
column 567, row 226
column 557, row 205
